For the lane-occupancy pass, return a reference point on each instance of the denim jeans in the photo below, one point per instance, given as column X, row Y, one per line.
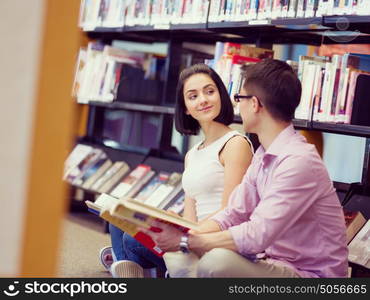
column 126, row 247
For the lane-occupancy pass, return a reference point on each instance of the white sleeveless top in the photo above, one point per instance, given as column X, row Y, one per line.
column 203, row 178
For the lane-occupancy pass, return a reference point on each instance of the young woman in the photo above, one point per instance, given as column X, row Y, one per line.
column 213, row 167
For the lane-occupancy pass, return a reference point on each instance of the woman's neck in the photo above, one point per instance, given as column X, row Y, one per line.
column 213, row 131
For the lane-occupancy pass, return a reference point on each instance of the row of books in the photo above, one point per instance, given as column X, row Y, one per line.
column 161, row 13
column 104, row 71
column 228, row 60
column 119, row 13
column 334, row 89
column 247, row 10
column 90, row 168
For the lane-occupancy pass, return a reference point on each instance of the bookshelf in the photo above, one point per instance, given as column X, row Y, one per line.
column 309, row 31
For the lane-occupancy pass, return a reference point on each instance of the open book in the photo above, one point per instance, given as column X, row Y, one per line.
column 128, row 214
column 359, row 247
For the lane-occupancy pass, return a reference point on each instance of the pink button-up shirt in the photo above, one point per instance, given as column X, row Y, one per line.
column 286, row 206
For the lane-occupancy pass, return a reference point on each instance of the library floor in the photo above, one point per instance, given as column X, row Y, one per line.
column 83, row 236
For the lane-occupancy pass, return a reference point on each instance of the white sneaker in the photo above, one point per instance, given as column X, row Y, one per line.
column 126, row 269
column 106, row 257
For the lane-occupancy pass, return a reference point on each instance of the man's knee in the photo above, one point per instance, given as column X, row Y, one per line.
column 213, row 263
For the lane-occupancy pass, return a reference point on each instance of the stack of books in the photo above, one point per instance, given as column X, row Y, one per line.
column 90, row 169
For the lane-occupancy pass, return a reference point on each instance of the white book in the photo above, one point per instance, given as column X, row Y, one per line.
column 300, row 9
column 91, row 20
column 344, row 71
column 342, row 97
column 359, row 247
column 330, row 10
column 108, row 19
column 307, row 84
column 318, row 95
column 321, row 114
column 80, row 70
column 316, row 85
column 101, row 168
column 108, row 174
column 159, row 195
column 97, row 78
column 213, row 10
column 129, row 181
column 276, row 9
column 94, row 50
column 162, row 192
column 309, row 12
column 79, row 152
column 322, row 8
column 171, row 197
column 363, row 7
column 328, row 114
column 292, row 10
column 253, row 10
column 347, row 9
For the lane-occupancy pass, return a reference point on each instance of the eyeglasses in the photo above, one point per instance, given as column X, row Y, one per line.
column 238, row 97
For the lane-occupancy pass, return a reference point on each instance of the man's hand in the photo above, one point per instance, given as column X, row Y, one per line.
column 168, row 239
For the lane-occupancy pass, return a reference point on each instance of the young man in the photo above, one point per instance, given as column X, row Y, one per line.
column 284, row 219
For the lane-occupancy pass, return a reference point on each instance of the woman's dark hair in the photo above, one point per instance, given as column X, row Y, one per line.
column 276, row 86
column 186, row 124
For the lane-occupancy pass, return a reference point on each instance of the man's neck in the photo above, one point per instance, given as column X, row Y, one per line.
column 269, row 130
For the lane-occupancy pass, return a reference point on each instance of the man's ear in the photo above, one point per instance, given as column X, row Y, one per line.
column 255, row 104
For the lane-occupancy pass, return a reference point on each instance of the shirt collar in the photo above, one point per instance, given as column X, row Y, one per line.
column 278, row 143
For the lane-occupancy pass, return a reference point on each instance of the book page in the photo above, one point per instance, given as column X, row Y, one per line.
column 359, row 248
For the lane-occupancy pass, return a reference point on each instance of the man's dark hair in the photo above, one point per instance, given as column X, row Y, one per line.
column 186, row 124
column 276, row 86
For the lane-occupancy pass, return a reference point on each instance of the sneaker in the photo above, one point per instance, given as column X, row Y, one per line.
column 106, row 257
column 126, row 269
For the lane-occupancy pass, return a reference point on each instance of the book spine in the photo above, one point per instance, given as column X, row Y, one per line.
column 351, row 95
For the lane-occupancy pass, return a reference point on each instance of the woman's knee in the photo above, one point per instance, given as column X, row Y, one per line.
column 130, row 242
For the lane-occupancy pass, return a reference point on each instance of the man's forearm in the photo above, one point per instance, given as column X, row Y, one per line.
column 208, row 226
column 201, row 243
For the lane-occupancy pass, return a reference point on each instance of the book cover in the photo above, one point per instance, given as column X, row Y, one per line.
column 78, row 170
column 130, row 180
column 113, row 169
column 140, row 183
column 177, row 204
column 350, row 96
column 128, row 214
column 91, row 168
column 160, row 194
column 79, row 152
column 79, row 73
column 114, row 174
column 153, row 184
column 101, row 167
